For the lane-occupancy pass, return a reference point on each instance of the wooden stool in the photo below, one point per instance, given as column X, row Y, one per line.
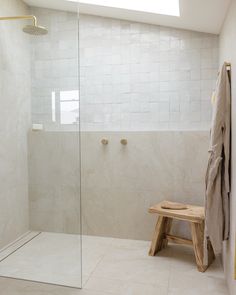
column 193, row 214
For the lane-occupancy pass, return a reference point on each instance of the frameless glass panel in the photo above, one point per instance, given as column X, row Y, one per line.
column 55, row 181
column 51, row 251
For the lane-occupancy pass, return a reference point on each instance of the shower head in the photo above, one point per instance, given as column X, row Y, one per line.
column 35, row 30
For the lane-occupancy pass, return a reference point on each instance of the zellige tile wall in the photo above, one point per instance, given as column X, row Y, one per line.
column 133, row 76
column 136, row 76
column 54, row 63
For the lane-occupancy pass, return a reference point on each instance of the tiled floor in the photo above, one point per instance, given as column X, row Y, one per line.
column 49, row 257
column 112, row 266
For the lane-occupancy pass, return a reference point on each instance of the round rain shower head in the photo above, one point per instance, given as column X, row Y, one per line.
column 29, row 29
column 35, row 30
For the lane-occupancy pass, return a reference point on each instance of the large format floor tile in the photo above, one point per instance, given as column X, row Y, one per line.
column 110, row 267
column 134, row 266
column 20, row 287
column 50, row 258
column 118, row 287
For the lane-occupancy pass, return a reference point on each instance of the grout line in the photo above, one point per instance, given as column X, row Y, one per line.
column 100, row 260
column 170, row 273
column 20, row 247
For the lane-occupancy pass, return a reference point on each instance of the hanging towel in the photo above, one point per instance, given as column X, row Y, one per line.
column 218, row 170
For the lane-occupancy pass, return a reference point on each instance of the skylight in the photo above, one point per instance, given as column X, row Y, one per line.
column 166, row 7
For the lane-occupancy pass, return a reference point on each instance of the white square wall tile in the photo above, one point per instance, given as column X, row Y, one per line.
column 117, row 58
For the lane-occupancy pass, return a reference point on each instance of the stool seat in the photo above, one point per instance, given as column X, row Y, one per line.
column 195, row 216
column 191, row 213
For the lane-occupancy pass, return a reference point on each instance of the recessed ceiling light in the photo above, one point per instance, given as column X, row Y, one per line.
column 166, row 7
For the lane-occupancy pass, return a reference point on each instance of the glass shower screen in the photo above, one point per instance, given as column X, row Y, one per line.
column 50, row 252
column 54, row 149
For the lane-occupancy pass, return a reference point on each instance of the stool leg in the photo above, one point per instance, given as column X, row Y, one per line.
column 197, row 230
column 158, row 241
column 167, row 229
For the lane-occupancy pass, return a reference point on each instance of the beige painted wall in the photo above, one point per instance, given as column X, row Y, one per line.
column 119, row 183
column 228, row 53
column 14, row 123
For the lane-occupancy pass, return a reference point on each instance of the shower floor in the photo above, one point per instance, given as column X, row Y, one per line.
column 45, row 257
column 110, row 266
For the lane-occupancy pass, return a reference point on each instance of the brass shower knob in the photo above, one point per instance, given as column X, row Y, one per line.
column 104, row 141
column 123, row 141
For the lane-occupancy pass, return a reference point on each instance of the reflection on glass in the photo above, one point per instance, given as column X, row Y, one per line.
column 53, row 106
column 69, row 107
column 65, row 105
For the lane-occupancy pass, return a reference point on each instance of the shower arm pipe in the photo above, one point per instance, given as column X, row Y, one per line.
column 21, row 17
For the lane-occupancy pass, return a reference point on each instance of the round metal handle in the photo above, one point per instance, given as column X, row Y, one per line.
column 104, row 141
column 123, row 141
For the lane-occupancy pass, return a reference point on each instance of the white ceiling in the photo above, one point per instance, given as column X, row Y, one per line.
column 198, row 15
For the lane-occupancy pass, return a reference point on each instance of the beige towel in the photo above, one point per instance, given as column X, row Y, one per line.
column 218, row 174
